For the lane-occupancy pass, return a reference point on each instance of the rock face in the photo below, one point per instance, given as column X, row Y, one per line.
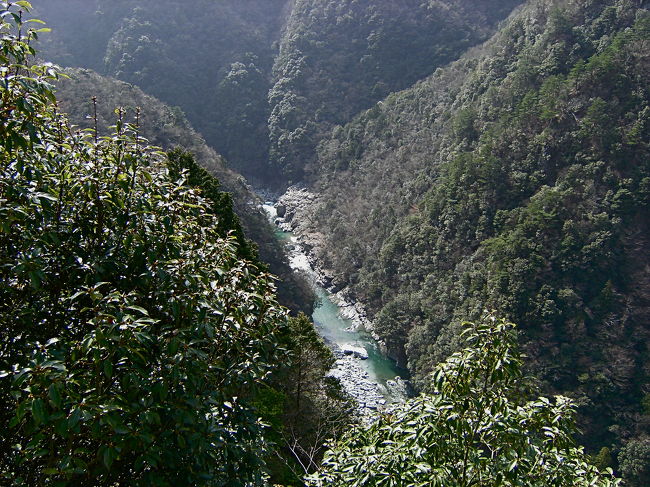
column 349, row 368
column 400, row 387
column 294, row 201
column 296, row 204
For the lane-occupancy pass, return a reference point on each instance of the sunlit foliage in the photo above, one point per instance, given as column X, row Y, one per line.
column 479, row 426
column 132, row 335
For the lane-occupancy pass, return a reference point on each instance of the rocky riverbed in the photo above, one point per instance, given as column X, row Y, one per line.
column 354, row 364
column 370, row 395
column 356, row 382
column 292, row 215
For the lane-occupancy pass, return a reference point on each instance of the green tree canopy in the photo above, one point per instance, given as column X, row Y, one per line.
column 634, row 462
column 132, row 336
column 478, row 427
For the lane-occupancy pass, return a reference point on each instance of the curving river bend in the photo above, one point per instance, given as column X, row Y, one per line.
column 365, row 373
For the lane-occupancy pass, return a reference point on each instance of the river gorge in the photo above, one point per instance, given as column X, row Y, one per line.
column 370, row 377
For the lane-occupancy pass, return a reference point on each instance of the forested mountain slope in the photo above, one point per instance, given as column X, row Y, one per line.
column 338, row 57
column 142, row 340
column 299, row 66
column 515, row 179
column 168, row 128
column 212, row 58
column 129, row 325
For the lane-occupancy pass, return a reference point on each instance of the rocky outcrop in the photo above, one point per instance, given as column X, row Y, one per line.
column 355, row 351
column 295, row 201
column 400, row 388
column 293, row 212
column 290, row 213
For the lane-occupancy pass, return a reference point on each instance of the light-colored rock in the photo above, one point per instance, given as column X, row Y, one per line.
column 287, row 213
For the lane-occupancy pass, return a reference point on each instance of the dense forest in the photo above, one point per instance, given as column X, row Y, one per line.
column 168, row 128
column 222, row 50
column 142, row 340
column 459, row 158
column 337, row 58
column 331, row 59
column 515, row 179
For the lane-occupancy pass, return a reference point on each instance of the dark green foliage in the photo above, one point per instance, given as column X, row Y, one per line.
column 213, row 59
column 477, row 427
column 315, row 408
column 133, row 338
column 162, row 125
column 514, row 179
column 634, row 461
column 604, row 459
column 242, row 108
column 182, row 164
column 338, row 57
column 312, row 359
column 168, row 128
column 335, row 58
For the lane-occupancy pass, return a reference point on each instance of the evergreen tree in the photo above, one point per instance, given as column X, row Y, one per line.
column 132, row 336
column 478, row 427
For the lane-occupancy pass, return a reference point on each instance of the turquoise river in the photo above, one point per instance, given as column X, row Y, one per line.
column 336, row 330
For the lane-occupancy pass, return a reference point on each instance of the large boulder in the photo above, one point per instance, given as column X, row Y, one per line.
column 355, row 351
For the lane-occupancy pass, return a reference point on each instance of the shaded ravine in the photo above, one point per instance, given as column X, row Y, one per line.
column 364, row 371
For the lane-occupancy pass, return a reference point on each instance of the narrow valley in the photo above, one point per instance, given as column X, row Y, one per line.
column 314, row 243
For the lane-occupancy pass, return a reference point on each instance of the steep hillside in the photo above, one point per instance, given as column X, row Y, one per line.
column 134, row 341
column 338, row 57
column 515, row 179
column 213, row 59
column 168, row 128
column 138, row 348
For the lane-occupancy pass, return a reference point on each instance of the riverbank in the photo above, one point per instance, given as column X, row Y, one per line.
column 364, row 372
column 293, row 215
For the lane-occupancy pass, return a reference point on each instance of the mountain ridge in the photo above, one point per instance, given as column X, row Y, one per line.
column 510, row 190
column 514, row 178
